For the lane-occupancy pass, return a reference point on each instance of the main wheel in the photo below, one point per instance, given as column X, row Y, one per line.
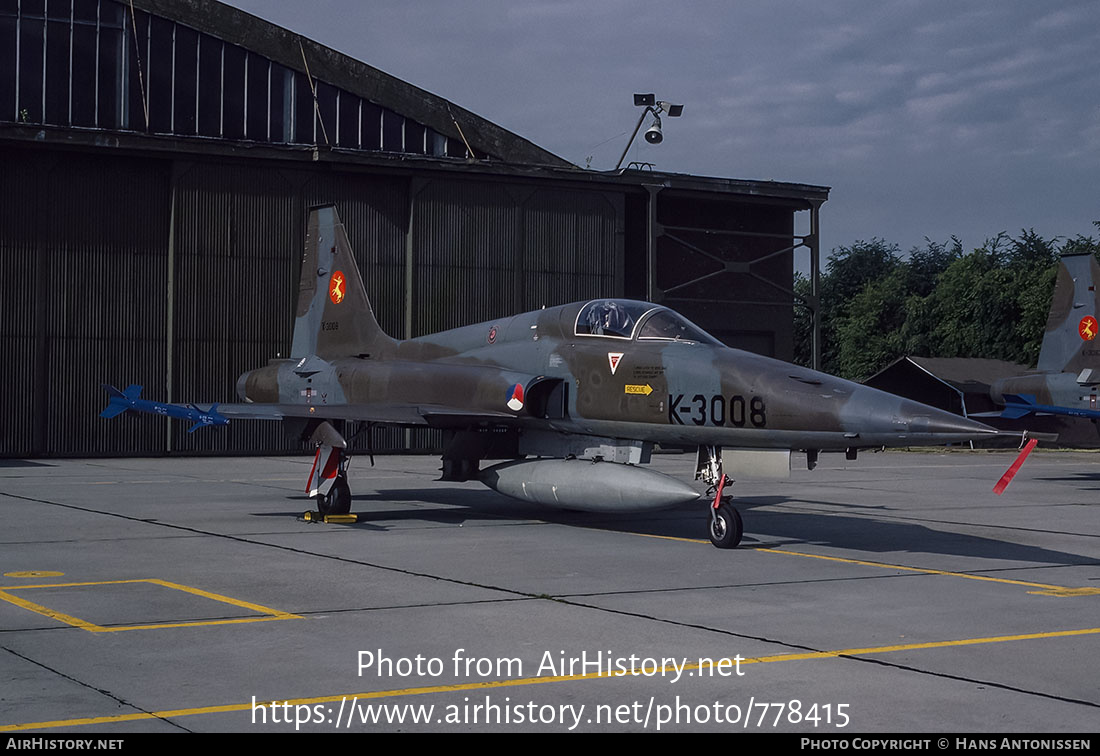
column 338, row 500
column 726, row 528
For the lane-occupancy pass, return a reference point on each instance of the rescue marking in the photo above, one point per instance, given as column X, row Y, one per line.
column 645, row 390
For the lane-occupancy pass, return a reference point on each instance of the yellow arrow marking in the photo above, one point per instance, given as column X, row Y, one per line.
column 645, row 390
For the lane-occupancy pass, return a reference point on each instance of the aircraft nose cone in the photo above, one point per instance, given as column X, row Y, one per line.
column 928, row 423
column 915, row 423
column 879, row 417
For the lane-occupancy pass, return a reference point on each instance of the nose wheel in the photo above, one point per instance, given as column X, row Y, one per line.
column 726, row 527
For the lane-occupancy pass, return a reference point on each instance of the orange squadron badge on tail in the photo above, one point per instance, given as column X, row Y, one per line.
column 336, row 287
column 1087, row 328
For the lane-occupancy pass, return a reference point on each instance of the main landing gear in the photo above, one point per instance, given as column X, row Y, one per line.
column 725, row 527
column 338, row 499
column 328, row 479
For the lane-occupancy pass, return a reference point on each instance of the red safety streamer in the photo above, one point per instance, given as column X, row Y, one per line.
column 721, row 486
column 1002, row 484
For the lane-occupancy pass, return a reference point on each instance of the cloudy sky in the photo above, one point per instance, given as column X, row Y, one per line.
column 928, row 118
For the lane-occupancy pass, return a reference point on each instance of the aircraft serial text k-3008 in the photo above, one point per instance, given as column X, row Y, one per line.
column 573, row 396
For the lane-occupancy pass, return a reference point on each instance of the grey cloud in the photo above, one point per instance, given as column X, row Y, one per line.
column 927, row 118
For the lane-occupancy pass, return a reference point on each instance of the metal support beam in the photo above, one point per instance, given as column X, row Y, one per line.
column 814, row 243
column 651, row 243
column 416, row 185
column 170, row 297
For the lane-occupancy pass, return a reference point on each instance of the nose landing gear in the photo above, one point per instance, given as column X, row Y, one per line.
column 725, row 527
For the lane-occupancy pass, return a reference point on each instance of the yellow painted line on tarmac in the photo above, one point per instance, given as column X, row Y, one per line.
column 275, row 613
column 670, row 538
column 1044, row 589
column 269, row 614
column 730, row 665
column 47, row 612
column 1068, row 592
column 34, row 573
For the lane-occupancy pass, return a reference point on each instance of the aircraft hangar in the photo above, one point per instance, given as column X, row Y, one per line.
column 159, row 158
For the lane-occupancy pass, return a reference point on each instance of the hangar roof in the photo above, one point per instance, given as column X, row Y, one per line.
column 200, row 68
column 186, row 76
column 348, row 74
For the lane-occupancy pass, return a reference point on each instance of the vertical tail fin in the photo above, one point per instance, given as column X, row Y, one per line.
column 334, row 317
column 1072, row 339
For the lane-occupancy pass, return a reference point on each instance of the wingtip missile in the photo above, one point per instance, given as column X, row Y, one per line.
column 1021, row 405
column 130, row 400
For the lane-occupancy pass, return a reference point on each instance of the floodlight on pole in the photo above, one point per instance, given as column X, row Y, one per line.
column 653, row 134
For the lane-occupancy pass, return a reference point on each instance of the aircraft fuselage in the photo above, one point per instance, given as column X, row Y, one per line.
column 663, row 390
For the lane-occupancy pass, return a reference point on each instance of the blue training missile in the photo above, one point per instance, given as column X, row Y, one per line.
column 1021, row 405
column 130, row 399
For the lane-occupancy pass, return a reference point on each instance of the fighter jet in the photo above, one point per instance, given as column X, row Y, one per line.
column 1056, row 400
column 572, row 397
column 1066, row 380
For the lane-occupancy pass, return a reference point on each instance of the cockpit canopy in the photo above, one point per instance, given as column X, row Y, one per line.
column 627, row 319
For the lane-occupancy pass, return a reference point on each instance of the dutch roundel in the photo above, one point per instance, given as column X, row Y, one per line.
column 515, row 397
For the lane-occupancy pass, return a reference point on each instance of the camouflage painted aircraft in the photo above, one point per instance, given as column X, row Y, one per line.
column 1066, row 380
column 574, row 397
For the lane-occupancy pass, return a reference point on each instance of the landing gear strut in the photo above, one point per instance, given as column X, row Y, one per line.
column 725, row 527
column 328, row 479
column 338, row 499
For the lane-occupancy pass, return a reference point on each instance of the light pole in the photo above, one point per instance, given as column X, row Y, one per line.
column 653, row 134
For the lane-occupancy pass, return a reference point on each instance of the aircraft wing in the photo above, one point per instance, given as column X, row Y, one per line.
column 398, row 414
column 436, row 416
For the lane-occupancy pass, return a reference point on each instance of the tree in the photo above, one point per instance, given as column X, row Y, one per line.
column 848, row 271
column 936, row 302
